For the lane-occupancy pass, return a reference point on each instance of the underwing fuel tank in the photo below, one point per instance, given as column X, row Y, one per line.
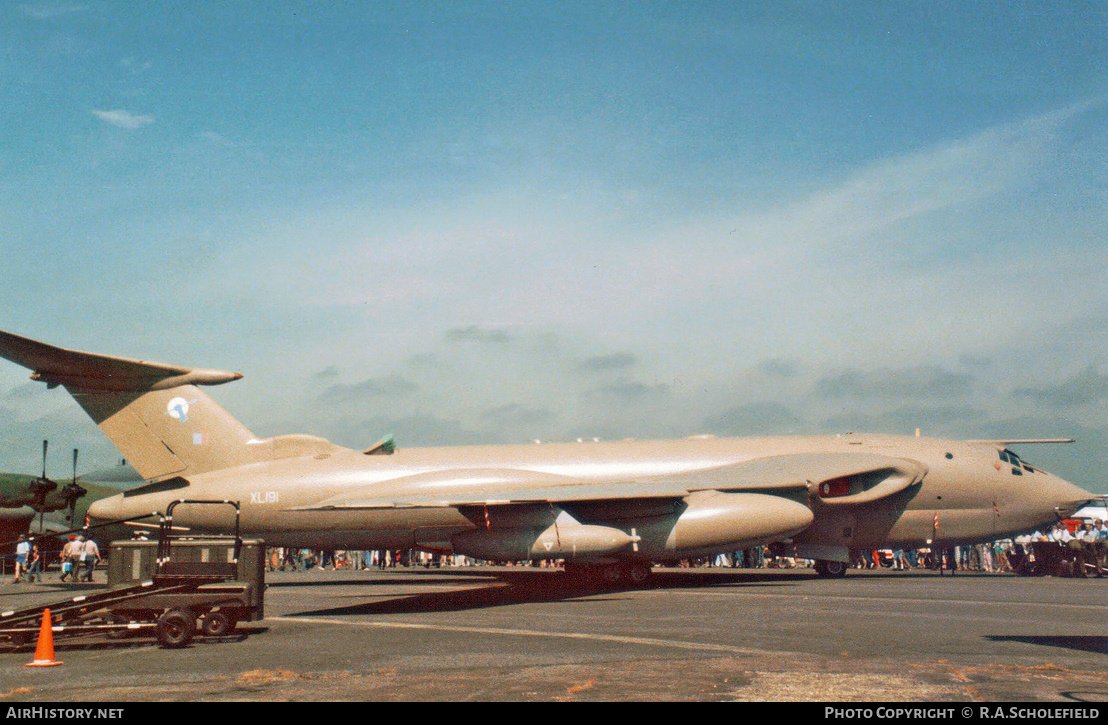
column 715, row 521
column 563, row 541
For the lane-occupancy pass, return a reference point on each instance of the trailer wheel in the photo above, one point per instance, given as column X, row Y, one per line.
column 218, row 623
column 176, row 628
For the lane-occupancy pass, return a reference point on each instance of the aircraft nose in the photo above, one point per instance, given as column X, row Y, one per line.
column 1066, row 497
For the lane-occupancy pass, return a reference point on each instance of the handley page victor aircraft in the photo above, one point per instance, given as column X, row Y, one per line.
column 607, row 508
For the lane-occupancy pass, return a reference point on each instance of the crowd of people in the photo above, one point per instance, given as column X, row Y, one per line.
column 284, row 559
column 1083, row 552
column 1086, row 550
column 79, row 558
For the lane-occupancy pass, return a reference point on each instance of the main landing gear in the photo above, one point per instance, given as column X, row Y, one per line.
column 830, row 569
column 615, row 574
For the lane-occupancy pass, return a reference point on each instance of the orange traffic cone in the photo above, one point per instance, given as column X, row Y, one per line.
column 44, row 651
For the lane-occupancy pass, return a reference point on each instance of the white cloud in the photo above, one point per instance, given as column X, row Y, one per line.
column 136, row 66
column 901, row 265
column 899, row 259
column 123, row 119
column 50, row 11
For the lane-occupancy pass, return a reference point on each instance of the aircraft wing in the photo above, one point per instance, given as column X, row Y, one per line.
column 18, row 489
column 857, row 477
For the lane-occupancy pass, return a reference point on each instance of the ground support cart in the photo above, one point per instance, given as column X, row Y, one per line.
column 171, row 587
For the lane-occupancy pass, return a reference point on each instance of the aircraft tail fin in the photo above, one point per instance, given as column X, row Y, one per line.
column 154, row 413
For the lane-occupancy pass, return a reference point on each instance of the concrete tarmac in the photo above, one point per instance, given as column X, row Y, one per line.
column 525, row 634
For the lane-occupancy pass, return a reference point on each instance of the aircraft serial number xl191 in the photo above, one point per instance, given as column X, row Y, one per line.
column 612, row 508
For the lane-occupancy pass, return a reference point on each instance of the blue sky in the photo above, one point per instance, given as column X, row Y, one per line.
column 490, row 222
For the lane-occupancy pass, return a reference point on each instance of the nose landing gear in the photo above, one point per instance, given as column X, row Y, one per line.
column 830, row 569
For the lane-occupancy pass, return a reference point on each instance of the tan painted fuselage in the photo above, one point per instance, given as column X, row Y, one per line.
column 965, row 495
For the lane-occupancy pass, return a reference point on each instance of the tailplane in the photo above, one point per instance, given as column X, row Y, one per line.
column 154, row 413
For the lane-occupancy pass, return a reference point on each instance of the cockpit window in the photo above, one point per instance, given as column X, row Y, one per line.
column 1009, row 457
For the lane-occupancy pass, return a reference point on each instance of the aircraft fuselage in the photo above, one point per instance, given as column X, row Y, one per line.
column 954, row 492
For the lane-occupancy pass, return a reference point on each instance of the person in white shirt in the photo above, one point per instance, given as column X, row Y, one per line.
column 68, row 557
column 1060, row 533
column 90, row 555
column 22, row 552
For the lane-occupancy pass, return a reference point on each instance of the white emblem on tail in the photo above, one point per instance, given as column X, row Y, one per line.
column 178, row 409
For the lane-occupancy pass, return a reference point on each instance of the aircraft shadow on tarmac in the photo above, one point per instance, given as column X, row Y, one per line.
column 1084, row 696
column 1084, row 643
column 524, row 586
column 356, row 582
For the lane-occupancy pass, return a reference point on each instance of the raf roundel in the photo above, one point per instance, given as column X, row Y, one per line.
column 178, row 409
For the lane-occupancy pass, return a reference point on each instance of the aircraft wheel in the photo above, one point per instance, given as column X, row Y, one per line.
column 176, row 628
column 218, row 623
column 576, row 571
column 638, row 573
column 611, row 573
column 831, row 569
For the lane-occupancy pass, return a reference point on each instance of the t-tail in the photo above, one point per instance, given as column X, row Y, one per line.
column 154, row 413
